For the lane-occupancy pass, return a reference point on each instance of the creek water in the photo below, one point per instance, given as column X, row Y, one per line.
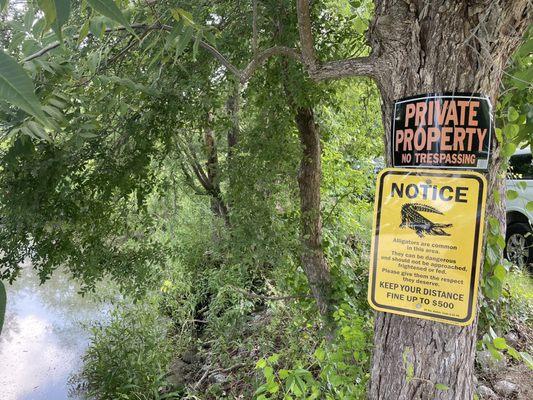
column 44, row 337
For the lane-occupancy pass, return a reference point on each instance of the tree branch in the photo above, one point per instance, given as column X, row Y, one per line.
column 243, row 75
column 56, row 44
column 264, row 55
column 360, row 66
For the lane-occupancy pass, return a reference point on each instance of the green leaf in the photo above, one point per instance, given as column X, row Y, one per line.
column 495, row 353
column 261, row 389
column 268, row 372
column 320, row 354
column 522, row 185
column 84, row 31
column 17, row 88
column 3, row 4
column 527, row 359
column 509, row 149
column 283, row 373
column 441, row 386
column 521, row 79
column 109, row 9
column 273, row 359
column 196, row 44
column 180, row 13
column 184, row 40
column 494, row 225
column 500, row 343
column 492, row 255
column 63, row 12
column 513, row 353
column 512, row 194
column 38, row 131
column 510, row 131
column 3, row 301
column 512, row 114
column 500, row 241
column 56, row 13
column 529, row 206
column 175, row 14
column 273, row 387
column 261, row 364
column 360, row 25
column 500, row 272
column 49, row 9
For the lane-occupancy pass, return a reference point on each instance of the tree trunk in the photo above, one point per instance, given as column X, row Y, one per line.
column 309, row 178
column 218, row 206
column 232, row 107
column 436, row 46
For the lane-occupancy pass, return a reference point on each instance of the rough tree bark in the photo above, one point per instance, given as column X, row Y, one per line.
column 309, row 177
column 424, row 47
column 218, row 206
column 421, row 46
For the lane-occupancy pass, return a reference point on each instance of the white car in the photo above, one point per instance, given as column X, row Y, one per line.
column 519, row 235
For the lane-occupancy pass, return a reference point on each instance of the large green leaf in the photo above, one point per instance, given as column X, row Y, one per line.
column 56, row 13
column 17, row 88
column 63, row 12
column 49, row 9
column 3, row 301
column 109, row 9
column 3, row 4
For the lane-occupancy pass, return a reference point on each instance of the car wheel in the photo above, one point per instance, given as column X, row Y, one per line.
column 519, row 244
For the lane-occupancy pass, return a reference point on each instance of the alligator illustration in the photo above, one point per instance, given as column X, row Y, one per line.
column 411, row 218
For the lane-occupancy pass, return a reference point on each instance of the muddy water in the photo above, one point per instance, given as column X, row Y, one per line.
column 44, row 337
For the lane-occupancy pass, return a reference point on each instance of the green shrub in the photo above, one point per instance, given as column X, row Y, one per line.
column 128, row 357
column 335, row 371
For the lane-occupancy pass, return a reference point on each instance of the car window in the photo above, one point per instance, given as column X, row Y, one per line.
column 520, row 167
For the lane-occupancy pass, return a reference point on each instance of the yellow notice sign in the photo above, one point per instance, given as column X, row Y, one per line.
column 426, row 245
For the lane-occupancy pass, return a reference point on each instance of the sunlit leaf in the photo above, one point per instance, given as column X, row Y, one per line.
column 509, row 149
column 512, row 194
column 512, row 114
column 109, row 9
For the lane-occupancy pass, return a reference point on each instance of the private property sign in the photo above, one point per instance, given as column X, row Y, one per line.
column 426, row 243
column 442, row 130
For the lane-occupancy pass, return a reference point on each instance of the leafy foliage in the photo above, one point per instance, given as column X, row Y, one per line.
column 128, row 357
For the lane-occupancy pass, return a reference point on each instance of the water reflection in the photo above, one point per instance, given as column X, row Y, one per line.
column 44, row 336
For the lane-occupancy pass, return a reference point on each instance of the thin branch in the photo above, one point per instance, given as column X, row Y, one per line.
column 360, row 66
column 261, row 57
column 190, row 181
column 223, row 60
column 56, row 44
